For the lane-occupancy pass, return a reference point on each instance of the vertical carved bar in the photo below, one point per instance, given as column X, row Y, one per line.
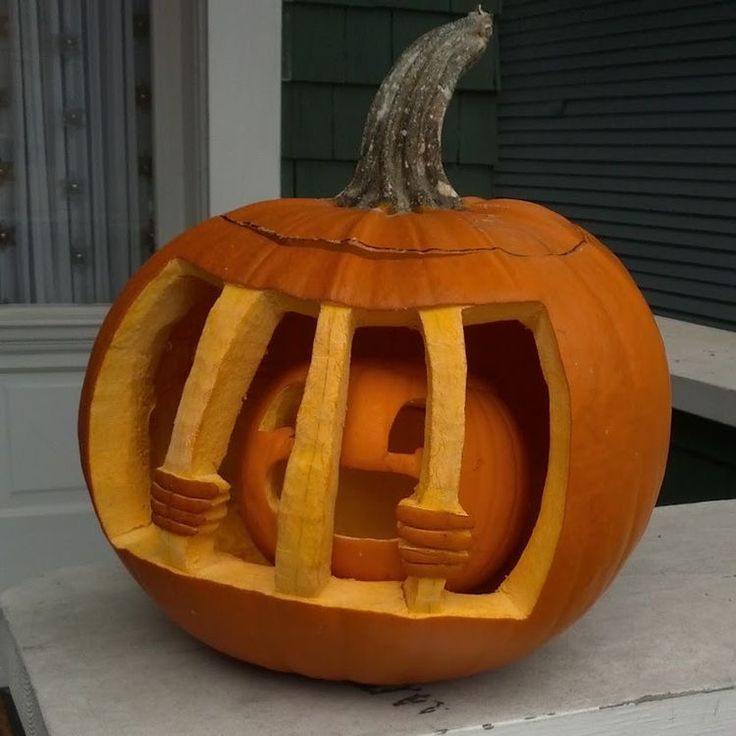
column 188, row 497
column 307, row 507
column 118, row 450
column 434, row 505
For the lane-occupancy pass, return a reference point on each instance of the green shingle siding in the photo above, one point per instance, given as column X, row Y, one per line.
column 455, row 6
column 287, row 177
column 471, row 179
column 369, row 51
column 477, row 130
column 351, row 108
column 316, row 42
column 321, row 178
column 310, row 118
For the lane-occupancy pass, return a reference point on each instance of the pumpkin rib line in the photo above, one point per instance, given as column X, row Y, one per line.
column 366, row 249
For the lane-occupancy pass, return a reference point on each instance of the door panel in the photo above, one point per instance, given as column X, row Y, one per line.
column 46, row 518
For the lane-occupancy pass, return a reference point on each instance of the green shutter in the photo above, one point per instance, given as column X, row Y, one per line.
column 622, row 116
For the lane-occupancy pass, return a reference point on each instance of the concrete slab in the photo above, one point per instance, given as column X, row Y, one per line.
column 88, row 653
column 702, row 363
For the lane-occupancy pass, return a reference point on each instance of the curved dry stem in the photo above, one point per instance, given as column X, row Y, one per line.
column 401, row 156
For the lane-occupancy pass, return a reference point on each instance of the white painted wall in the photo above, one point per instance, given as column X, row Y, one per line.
column 46, row 519
column 244, row 102
column 179, row 76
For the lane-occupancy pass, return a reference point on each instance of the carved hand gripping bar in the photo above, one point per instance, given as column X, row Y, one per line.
column 434, row 530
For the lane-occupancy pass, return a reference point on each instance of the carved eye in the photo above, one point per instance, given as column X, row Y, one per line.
column 407, row 431
column 282, row 412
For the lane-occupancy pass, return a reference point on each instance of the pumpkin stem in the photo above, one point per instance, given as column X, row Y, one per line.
column 401, row 155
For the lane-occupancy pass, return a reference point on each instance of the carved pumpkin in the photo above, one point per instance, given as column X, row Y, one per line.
column 395, row 436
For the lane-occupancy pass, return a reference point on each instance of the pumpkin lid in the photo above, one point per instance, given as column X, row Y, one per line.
column 512, row 226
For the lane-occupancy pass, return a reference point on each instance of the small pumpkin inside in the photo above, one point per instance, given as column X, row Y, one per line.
column 381, row 454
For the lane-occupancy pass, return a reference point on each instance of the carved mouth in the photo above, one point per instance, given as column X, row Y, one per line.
column 378, row 490
column 358, row 490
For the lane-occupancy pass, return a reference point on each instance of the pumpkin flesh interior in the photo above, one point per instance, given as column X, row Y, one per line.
column 515, row 597
column 373, row 476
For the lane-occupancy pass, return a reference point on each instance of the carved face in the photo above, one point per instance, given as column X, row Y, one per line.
column 380, row 463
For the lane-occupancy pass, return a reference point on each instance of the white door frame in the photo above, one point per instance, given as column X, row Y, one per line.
column 243, row 102
column 217, row 107
column 216, row 102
